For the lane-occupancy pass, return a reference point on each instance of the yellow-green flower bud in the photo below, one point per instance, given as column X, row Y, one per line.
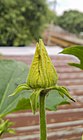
column 42, row 73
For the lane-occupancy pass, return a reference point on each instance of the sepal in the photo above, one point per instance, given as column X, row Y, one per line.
column 20, row 88
column 62, row 91
column 34, row 99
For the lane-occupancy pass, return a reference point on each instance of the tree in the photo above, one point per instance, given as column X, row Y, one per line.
column 72, row 21
column 21, row 21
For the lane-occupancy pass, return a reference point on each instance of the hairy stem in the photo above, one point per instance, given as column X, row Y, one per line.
column 43, row 133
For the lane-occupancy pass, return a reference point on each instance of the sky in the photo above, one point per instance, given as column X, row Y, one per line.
column 63, row 5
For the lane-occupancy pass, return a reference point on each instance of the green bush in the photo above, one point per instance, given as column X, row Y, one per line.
column 22, row 21
column 72, row 21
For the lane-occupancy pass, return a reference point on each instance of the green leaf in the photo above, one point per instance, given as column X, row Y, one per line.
column 54, row 99
column 23, row 104
column 5, row 127
column 34, row 100
column 12, row 73
column 76, row 51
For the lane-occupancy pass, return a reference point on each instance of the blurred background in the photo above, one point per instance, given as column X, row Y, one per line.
column 22, row 23
column 60, row 24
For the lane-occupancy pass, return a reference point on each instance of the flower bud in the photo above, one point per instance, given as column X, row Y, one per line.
column 42, row 73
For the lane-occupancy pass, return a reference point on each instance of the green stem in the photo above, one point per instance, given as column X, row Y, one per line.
column 43, row 133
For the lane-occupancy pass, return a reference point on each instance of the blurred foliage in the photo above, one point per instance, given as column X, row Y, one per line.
column 72, row 21
column 52, row 14
column 21, row 22
column 5, row 127
column 52, row 17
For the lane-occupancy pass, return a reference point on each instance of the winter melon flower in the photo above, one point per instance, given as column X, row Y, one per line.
column 42, row 73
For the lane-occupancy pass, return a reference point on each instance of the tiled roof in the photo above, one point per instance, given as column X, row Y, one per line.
column 55, row 35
